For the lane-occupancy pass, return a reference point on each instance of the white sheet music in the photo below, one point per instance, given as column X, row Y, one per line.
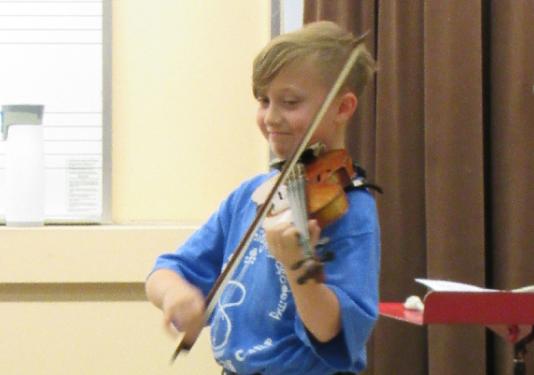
column 451, row 286
column 454, row 286
column 51, row 53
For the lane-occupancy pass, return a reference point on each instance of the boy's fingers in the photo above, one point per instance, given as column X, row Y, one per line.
column 315, row 231
column 171, row 327
column 290, row 237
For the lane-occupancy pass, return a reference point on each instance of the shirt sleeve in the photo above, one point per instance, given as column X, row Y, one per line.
column 199, row 260
column 353, row 276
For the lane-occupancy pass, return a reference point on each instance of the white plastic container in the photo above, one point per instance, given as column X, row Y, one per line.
column 24, row 168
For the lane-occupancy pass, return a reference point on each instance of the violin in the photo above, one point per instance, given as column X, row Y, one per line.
column 320, row 172
column 315, row 189
column 326, row 178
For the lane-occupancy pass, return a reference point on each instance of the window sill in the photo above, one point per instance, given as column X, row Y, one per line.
column 85, row 254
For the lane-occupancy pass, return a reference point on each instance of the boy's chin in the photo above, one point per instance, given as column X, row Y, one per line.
column 280, row 153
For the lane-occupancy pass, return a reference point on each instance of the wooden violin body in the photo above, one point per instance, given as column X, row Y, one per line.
column 326, row 178
column 314, row 190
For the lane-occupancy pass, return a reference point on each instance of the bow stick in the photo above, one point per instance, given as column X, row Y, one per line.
column 190, row 337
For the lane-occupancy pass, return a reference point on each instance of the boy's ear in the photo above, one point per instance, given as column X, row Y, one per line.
column 347, row 106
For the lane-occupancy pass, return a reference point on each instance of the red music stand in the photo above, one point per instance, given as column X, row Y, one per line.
column 509, row 314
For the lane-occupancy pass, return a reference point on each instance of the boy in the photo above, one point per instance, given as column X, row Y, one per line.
column 266, row 322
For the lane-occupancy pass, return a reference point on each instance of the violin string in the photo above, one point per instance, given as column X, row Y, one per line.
column 297, row 201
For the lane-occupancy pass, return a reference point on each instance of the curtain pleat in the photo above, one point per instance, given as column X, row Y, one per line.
column 446, row 130
column 454, row 180
column 400, row 170
column 511, row 148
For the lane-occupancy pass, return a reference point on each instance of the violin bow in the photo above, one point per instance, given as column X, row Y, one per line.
column 190, row 337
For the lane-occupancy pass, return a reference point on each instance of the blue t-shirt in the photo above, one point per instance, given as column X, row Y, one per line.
column 255, row 327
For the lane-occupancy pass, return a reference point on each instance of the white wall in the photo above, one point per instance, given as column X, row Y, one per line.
column 184, row 130
column 71, row 298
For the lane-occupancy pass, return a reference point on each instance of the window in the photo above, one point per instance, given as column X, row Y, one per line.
column 57, row 53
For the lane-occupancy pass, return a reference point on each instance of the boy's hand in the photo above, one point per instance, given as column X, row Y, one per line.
column 317, row 305
column 182, row 303
column 182, row 306
column 283, row 241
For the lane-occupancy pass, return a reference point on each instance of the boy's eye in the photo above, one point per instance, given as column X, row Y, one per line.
column 264, row 101
column 291, row 102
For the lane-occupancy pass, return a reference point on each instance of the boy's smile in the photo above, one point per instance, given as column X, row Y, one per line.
column 288, row 105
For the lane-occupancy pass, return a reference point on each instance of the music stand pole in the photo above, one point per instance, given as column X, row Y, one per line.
column 520, row 350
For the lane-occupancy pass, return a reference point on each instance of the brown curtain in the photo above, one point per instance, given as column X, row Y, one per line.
column 446, row 130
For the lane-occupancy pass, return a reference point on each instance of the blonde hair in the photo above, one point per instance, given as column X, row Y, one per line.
column 327, row 44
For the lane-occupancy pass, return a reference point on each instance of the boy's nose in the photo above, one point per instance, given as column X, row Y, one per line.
column 272, row 116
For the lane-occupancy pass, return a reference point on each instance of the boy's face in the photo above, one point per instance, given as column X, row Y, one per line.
column 287, row 108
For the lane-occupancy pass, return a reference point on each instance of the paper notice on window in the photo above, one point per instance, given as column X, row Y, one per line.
column 52, row 54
